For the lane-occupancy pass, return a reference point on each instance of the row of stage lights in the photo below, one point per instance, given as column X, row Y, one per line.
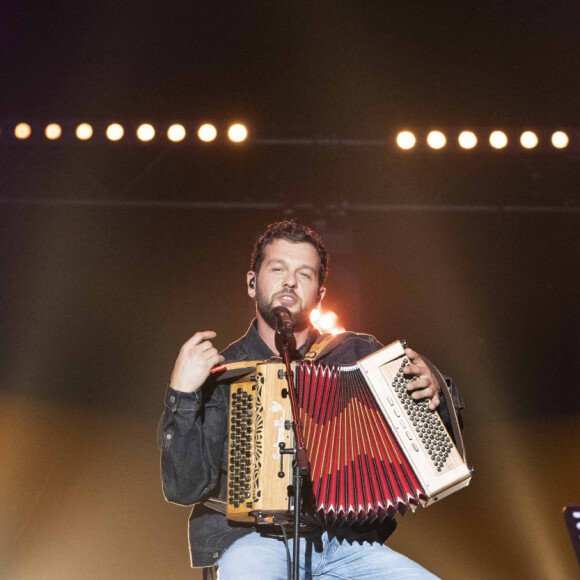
column 238, row 133
column 469, row 140
column 145, row 132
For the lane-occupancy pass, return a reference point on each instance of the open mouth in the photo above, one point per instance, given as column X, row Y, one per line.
column 286, row 298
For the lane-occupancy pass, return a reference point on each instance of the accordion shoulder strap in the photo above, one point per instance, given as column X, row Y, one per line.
column 457, row 435
column 323, row 344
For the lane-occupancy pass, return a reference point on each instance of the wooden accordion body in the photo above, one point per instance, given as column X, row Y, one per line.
column 373, row 450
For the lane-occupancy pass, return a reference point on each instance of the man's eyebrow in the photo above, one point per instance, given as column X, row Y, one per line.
column 283, row 261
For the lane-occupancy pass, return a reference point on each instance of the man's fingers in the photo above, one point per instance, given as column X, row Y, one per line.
column 422, row 384
column 413, row 356
column 435, row 401
column 205, row 347
column 210, row 353
column 199, row 337
column 418, row 384
column 412, row 370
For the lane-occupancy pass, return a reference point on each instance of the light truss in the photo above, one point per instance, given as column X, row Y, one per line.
column 160, row 133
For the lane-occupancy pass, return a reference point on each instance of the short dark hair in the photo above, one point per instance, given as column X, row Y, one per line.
column 293, row 232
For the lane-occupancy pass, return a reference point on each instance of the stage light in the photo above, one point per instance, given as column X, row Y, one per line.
column 145, row 132
column 207, row 132
column 528, row 139
column 22, row 131
column 53, row 131
column 498, row 140
column 560, row 140
column 436, row 140
column 176, row 133
column 84, row 131
column 237, row 133
column 325, row 321
column 114, row 132
column 406, row 140
column 467, row 139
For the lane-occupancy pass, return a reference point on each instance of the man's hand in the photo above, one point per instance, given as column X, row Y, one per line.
column 195, row 361
column 424, row 386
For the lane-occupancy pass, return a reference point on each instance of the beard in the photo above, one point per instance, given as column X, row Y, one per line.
column 300, row 318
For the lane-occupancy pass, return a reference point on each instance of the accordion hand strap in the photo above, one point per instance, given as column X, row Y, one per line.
column 457, row 435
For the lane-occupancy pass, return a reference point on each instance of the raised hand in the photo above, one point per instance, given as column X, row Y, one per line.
column 195, row 361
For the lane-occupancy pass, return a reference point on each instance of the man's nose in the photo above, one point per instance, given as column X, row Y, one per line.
column 290, row 280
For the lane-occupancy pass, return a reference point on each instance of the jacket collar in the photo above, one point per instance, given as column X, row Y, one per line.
column 257, row 349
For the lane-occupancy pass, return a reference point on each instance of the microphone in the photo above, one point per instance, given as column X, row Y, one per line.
column 283, row 320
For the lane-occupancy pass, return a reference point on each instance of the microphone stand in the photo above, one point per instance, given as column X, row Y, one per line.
column 300, row 467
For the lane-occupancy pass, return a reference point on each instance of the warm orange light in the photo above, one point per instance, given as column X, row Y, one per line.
column 406, row 140
column 176, row 133
column 528, row 139
column 53, row 131
column 325, row 321
column 84, row 131
column 145, row 132
column 237, row 133
column 207, row 132
column 115, row 132
column 560, row 140
column 467, row 139
column 436, row 140
column 498, row 139
column 22, row 131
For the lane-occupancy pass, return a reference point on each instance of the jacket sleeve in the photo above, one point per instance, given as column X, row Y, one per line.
column 191, row 436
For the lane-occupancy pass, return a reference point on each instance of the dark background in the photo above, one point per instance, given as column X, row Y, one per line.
column 113, row 254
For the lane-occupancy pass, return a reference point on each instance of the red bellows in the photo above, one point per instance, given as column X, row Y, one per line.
column 359, row 472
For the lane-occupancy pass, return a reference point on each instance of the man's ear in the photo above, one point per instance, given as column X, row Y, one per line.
column 251, row 283
column 321, row 294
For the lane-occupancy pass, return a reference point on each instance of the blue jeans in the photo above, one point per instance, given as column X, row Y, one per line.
column 255, row 556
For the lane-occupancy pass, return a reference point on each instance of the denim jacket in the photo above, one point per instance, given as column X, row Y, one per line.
column 193, row 440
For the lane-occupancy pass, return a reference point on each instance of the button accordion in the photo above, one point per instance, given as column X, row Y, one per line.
column 373, row 450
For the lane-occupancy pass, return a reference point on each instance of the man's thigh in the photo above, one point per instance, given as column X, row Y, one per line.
column 254, row 556
column 369, row 561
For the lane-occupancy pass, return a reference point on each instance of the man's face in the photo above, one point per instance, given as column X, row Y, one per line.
column 288, row 277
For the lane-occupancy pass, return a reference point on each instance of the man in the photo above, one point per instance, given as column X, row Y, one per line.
column 288, row 268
